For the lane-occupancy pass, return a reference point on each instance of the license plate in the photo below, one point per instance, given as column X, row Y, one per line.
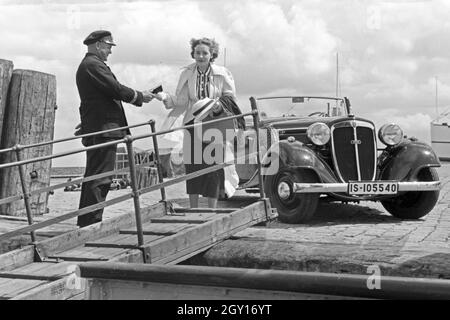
column 386, row 187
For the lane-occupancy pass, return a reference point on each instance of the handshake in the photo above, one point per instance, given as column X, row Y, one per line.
column 157, row 93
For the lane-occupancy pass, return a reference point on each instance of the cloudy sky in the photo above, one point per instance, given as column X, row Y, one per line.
column 391, row 53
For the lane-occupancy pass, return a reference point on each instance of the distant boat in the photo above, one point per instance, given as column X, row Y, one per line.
column 440, row 135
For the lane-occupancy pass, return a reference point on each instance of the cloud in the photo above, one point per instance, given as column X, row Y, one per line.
column 285, row 47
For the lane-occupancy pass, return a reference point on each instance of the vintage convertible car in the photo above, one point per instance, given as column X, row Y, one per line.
column 315, row 148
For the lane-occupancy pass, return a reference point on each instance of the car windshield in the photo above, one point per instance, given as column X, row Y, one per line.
column 300, row 106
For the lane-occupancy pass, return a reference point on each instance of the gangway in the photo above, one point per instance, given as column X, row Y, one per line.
column 157, row 234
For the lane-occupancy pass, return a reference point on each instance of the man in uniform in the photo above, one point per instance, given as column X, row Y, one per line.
column 101, row 109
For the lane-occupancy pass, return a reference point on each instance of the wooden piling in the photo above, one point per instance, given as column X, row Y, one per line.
column 6, row 69
column 29, row 118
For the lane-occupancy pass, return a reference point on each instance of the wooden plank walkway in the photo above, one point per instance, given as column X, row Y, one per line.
column 170, row 236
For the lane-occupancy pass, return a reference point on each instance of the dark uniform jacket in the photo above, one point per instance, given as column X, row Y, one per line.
column 101, row 95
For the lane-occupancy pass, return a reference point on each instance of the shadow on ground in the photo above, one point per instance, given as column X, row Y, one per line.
column 337, row 213
column 328, row 213
column 333, row 214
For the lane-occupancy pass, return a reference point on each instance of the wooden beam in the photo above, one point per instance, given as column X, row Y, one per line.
column 45, row 269
column 159, row 228
column 149, row 233
column 179, row 220
column 56, row 290
column 16, row 258
column 111, row 245
column 138, row 290
column 82, row 259
column 130, row 256
column 122, row 241
column 17, row 286
column 83, row 253
column 215, row 210
column 117, row 241
column 28, row 276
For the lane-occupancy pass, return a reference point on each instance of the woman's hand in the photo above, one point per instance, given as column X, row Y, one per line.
column 161, row 96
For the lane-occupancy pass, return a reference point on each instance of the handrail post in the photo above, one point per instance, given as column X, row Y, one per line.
column 26, row 196
column 134, row 187
column 158, row 160
column 258, row 156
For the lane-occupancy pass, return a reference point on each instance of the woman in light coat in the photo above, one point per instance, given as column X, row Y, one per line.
column 197, row 81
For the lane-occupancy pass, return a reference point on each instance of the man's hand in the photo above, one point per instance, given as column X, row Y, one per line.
column 147, row 96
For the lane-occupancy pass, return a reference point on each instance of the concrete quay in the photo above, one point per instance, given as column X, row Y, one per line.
column 347, row 238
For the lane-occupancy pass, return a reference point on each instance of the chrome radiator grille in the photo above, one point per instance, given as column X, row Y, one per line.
column 354, row 150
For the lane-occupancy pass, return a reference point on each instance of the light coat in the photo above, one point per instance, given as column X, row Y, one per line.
column 221, row 83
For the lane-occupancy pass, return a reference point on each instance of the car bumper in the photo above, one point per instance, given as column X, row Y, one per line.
column 343, row 187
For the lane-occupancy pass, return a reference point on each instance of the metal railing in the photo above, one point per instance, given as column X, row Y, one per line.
column 20, row 163
column 136, row 192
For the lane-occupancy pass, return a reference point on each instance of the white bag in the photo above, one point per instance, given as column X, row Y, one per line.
column 231, row 177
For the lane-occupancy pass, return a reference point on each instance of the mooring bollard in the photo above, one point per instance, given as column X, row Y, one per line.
column 29, row 118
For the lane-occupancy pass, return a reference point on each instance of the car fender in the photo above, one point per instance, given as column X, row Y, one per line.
column 295, row 154
column 404, row 161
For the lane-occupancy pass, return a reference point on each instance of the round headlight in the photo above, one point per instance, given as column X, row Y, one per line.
column 390, row 134
column 318, row 133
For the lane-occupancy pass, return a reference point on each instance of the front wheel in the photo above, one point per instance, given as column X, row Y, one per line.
column 292, row 207
column 414, row 204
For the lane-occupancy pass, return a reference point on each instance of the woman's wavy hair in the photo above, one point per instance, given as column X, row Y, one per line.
column 211, row 43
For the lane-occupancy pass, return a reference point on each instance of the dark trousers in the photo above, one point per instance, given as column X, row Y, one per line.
column 92, row 192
